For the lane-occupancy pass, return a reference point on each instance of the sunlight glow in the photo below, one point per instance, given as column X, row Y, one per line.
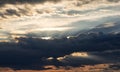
column 46, row 38
column 3, row 37
column 61, row 58
column 50, row 58
column 52, row 29
column 4, row 40
column 80, row 54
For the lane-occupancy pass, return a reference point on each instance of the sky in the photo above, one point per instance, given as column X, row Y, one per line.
column 45, row 18
column 36, row 33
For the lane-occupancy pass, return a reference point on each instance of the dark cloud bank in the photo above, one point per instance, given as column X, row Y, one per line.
column 25, row 1
column 31, row 53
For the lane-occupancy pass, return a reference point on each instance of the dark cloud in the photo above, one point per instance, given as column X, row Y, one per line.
column 79, row 2
column 113, row 0
column 2, row 15
column 11, row 12
column 25, row 1
column 32, row 52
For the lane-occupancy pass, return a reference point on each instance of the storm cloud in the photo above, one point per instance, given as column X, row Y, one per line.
column 30, row 52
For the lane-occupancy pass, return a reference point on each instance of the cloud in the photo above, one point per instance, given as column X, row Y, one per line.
column 65, row 8
column 24, row 22
column 11, row 12
column 113, row 0
column 107, row 27
column 89, row 58
column 29, row 52
column 39, row 26
column 26, row 1
column 42, row 1
column 86, row 68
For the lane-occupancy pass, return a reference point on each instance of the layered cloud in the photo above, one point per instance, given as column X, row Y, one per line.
column 68, row 7
column 48, row 18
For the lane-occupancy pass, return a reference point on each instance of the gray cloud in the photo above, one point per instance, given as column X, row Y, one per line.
column 33, row 51
column 26, row 1
column 113, row 0
column 11, row 12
